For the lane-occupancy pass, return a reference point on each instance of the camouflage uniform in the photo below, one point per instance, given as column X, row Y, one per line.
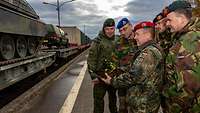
column 122, row 56
column 183, row 71
column 123, row 51
column 99, row 60
column 143, row 80
column 165, row 40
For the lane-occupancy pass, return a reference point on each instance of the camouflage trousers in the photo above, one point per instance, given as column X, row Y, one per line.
column 123, row 107
column 142, row 101
column 143, row 107
column 99, row 91
column 173, row 106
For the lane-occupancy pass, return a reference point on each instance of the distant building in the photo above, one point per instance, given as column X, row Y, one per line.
column 75, row 35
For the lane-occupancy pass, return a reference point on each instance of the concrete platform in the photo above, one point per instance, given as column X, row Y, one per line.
column 51, row 101
column 71, row 93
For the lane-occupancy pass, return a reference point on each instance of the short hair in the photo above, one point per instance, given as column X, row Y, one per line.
column 186, row 12
column 151, row 30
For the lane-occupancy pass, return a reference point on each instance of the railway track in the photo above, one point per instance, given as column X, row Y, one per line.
column 20, row 96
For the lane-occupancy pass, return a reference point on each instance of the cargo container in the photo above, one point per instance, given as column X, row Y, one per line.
column 76, row 36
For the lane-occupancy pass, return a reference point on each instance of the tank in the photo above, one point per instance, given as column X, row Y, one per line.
column 55, row 37
column 21, row 30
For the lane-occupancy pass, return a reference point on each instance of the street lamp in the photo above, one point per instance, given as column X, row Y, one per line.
column 58, row 6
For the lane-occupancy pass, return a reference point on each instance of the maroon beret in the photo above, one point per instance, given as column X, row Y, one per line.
column 146, row 24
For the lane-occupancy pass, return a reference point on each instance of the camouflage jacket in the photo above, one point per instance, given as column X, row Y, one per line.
column 123, row 52
column 183, row 71
column 100, row 52
column 165, row 40
column 143, row 80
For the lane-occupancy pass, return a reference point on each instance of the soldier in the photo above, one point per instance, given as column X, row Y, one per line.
column 122, row 55
column 183, row 61
column 99, row 61
column 160, row 23
column 163, row 34
column 164, row 39
column 144, row 78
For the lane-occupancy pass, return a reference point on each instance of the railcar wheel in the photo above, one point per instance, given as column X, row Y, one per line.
column 21, row 47
column 7, row 47
column 32, row 46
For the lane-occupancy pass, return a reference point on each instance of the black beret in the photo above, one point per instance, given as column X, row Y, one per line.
column 158, row 18
column 179, row 4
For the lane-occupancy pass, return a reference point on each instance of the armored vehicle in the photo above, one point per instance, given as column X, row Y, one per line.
column 20, row 29
column 21, row 32
column 55, row 37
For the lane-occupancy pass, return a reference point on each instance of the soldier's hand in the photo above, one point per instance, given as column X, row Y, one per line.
column 107, row 80
column 95, row 81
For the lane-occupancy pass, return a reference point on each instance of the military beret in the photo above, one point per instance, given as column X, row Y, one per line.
column 122, row 22
column 109, row 23
column 158, row 17
column 179, row 4
column 146, row 24
column 165, row 11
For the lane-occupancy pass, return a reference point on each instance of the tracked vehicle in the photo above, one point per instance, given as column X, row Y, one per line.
column 20, row 29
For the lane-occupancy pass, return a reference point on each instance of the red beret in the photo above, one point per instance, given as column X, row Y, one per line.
column 143, row 25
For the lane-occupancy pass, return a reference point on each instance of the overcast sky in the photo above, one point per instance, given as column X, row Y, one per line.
column 92, row 13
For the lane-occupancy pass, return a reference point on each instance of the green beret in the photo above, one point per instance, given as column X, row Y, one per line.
column 109, row 23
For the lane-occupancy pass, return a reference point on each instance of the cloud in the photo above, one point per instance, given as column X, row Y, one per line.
column 72, row 14
column 92, row 13
column 145, row 9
